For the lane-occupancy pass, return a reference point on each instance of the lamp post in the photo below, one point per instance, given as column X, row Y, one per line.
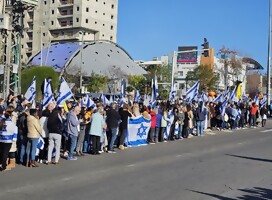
column 81, row 49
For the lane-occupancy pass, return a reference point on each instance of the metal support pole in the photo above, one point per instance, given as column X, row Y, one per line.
column 8, row 64
column 81, row 49
column 173, row 69
column 268, row 90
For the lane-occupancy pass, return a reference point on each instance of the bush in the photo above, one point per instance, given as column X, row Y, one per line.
column 41, row 73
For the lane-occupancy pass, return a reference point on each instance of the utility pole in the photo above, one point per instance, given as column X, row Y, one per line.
column 268, row 90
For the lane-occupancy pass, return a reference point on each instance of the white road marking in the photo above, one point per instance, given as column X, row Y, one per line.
column 269, row 130
column 132, row 165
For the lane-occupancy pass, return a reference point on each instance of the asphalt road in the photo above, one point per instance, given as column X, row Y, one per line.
column 220, row 165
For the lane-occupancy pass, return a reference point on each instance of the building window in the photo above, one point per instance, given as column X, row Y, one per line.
column 103, row 24
column 77, row 8
column 22, row 46
column 87, row 9
column 43, row 23
column 44, row 34
column 111, row 38
column 104, row 3
column 111, row 16
column 53, row 1
column 87, row 21
column 112, row 6
column 96, row 0
column 103, row 35
column 103, row 13
column 111, row 27
column 77, row 19
column 52, row 22
column 44, row 2
column 96, row 11
column 95, row 22
column 53, row 12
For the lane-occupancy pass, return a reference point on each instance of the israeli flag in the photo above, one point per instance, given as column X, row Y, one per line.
column 104, row 99
column 172, row 95
column 137, row 96
column 233, row 94
column 31, row 91
column 204, row 97
column 123, row 89
column 263, row 101
column 192, row 92
column 147, row 100
column 48, row 95
column 222, row 108
column 86, row 101
column 137, row 131
column 64, row 92
column 169, row 124
column 155, row 91
column 121, row 102
column 40, row 143
column 218, row 98
column 244, row 98
column 226, row 94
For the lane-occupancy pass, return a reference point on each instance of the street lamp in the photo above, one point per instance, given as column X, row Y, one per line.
column 81, row 49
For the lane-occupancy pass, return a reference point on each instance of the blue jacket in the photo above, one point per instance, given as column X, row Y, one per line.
column 158, row 120
column 72, row 127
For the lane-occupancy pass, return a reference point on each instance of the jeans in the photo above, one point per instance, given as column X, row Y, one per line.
column 73, row 142
column 253, row 120
column 31, row 148
column 54, row 142
column 162, row 134
column 152, row 133
column 112, row 133
column 200, row 128
column 23, row 145
column 157, row 132
column 179, row 135
column 86, row 144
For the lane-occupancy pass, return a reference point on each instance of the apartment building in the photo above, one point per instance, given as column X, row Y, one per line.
column 68, row 21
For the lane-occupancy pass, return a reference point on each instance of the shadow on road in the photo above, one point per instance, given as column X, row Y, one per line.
column 250, row 158
column 256, row 193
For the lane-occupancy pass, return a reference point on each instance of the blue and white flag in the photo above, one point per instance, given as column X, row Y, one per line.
column 137, row 96
column 64, row 92
column 31, row 91
column 104, row 99
column 137, row 131
column 218, row 98
column 192, row 92
column 47, row 94
column 244, row 97
column 147, row 100
column 172, row 95
column 88, row 102
column 123, row 89
column 121, row 102
column 233, row 94
column 155, row 91
column 222, row 108
column 226, row 94
column 263, row 101
column 40, row 143
column 169, row 124
column 204, row 97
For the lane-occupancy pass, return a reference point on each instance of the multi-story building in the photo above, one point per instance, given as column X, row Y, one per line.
column 68, row 20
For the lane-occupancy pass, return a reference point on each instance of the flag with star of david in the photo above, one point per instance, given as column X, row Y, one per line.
column 47, row 94
column 31, row 91
column 64, row 92
column 137, row 131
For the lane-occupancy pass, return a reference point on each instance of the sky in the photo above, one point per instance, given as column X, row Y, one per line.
column 153, row 28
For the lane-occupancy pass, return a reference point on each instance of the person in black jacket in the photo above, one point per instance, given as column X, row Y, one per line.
column 112, row 121
column 264, row 114
column 55, row 128
column 200, row 117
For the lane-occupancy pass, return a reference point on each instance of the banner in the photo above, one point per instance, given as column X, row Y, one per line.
column 137, row 131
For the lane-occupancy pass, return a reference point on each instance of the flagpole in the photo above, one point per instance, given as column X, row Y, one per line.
column 268, row 57
column 173, row 70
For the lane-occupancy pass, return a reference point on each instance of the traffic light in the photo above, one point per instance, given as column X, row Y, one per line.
column 205, row 48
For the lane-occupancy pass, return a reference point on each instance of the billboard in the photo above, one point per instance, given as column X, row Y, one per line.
column 187, row 57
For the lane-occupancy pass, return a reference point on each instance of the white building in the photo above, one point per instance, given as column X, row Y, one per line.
column 68, row 20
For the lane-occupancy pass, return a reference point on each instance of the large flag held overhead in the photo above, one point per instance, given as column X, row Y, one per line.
column 232, row 96
column 263, row 102
column 218, row 98
column 239, row 91
column 64, row 92
column 47, row 94
column 104, row 99
column 223, row 106
column 192, row 92
column 31, row 91
column 137, row 131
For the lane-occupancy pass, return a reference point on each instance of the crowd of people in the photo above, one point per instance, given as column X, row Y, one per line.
column 30, row 135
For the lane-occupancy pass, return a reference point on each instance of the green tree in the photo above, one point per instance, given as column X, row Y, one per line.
column 136, row 82
column 97, row 83
column 41, row 73
column 205, row 74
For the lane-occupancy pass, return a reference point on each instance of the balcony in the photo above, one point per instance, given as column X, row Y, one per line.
column 66, row 3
